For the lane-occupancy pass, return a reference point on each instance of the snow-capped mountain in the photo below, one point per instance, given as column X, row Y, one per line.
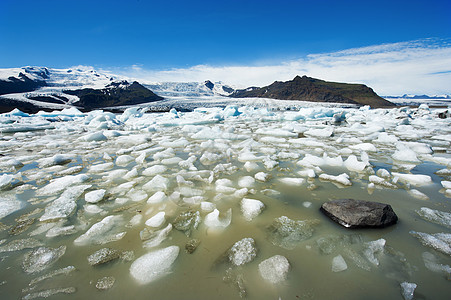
column 34, row 88
column 191, row 89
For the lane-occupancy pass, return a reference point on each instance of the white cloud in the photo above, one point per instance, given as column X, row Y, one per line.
column 414, row 67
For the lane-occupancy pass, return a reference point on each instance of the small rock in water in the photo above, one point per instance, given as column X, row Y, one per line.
column 339, row 264
column 42, row 258
column 191, row 245
column 408, row 289
column 352, row 213
column 287, row 233
column 274, row 269
column 103, row 256
column 153, row 265
column 105, row 283
column 242, row 252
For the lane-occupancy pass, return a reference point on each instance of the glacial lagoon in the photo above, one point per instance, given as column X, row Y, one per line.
column 162, row 205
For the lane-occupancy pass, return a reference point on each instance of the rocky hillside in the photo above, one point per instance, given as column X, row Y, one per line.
column 114, row 94
column 315, row 90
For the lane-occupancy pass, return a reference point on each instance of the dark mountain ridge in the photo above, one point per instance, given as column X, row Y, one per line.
column 115, row 94
column 315, row 90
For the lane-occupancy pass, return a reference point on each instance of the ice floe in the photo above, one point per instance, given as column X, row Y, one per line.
column 154, row 265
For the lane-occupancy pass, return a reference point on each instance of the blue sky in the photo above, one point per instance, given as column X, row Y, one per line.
column 166, row 35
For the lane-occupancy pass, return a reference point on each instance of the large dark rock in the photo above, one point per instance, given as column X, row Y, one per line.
column 359, row 214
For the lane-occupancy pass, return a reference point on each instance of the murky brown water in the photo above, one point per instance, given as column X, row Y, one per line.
column 199, row 275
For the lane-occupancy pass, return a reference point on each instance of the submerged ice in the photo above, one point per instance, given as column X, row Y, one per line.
column 245, row 179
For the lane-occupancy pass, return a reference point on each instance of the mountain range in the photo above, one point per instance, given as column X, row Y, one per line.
column 39, row 88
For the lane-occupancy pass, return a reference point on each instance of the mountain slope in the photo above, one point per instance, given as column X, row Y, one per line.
column 315, row 90
column 38, row 88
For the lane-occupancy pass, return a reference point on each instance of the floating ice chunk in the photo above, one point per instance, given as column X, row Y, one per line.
column 135, row 220
column 95, row 196
column 374, row 247
column 246, row 181
column 155, row 238
column 62, row 271
column 339, row 264
column 102, row 232
column 381, row 181
column 417, row 194
column 292, row 181
column 435, row 216
column 272, row 140
column 157, row 197
column 189, row 163
column 276, row 132
column 209, row 158
column 352, row 164
column 274, row 269
column 58, row 231
column 180, row 143
column 21, row 244
column 308, row 142
column 342, row 179
column 168, row 153
column 158, row 183
column 269, row 163
column 310, row 173
column 251, row 208
column 413, row 179
column 101, row 167
column 383, row 173
column 385, row 138
column 446, row 184
column 364, row 147
column 42, row 258
column 251, row 166
column 207, row 206
column 103, row 256
column 8, row 206
column 154, row 265
column 247, row 156
column 439, row 241
column 157, row 220
column 287, row 233
column 154, row 170
column 59, row 184
column 65, row 205
column 321, row 133
column 405, row 154
column 242, row 252
column 432, row 264
column 407, row 290
column 124, row 160
column 212, row 220
column 57, row 159
column 96, row 136
column 105, row 283
column 49, row 292
column 262, row 176
column 225, row 186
